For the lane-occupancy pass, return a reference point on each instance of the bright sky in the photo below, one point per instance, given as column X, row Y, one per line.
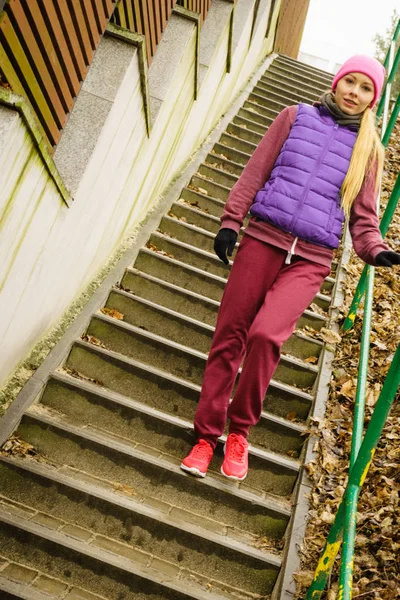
column 336, row 29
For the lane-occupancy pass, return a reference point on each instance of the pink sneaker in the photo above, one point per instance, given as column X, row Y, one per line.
column 198, row 459
column 235, row 465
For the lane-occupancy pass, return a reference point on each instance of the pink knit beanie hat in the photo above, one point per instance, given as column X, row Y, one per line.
column 363, row 64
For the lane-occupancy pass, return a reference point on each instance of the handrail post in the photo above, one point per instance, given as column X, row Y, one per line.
column 357, row 475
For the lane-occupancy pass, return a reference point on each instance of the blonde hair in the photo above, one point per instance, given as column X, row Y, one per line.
column 367, row 152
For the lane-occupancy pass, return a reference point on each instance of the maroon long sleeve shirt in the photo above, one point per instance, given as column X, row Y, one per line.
column 363, row 224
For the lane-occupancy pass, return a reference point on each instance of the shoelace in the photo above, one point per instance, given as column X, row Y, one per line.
column 201, row 450
column 236, row 450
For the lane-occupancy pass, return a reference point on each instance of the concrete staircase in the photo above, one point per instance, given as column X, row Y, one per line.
column 99, row 507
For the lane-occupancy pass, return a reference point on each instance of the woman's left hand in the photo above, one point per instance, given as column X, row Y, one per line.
column 387, row 258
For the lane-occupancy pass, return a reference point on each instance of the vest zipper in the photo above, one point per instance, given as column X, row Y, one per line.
column 288, row 258
column 319, row 161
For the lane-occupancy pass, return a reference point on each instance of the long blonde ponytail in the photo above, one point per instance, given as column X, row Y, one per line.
column 367, row 151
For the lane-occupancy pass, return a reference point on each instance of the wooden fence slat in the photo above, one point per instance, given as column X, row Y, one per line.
column 17, row 87
column 74, row 45
column 37, row 58
column 163, row 15
column 120, row 12
column 109, row 4
column 146, row 31
column 94, row 34
column 68, row 68
column 152, row 29
column 51, row 53
column 129, row 16
column 138, row 14
column 99, row 15
column 82, row 32
column 157, row 16
column 31, row 86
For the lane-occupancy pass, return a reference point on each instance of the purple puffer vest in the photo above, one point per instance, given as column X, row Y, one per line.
column 302, row 195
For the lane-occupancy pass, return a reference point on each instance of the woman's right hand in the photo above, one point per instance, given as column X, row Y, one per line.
column 224, row 244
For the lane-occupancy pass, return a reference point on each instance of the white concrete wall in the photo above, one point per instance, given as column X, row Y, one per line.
column 48, row 252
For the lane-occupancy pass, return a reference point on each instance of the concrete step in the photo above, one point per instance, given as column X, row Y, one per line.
column 216, row 190
column 208, row 554
column 165, row 392
column 154, row 478
column 178, row 359
column 237, row 144
column 194, row 215
column 169, row 433
column 301, row 77
column 249, row 124
column 242, row 131
column 226, row 165
column 275, row 94
column 177, row 326
column 254, row 114
column 305, row 93
column 190, row 303
column 217, row 175
column 265, row 111
column 203, row 202
column 101, row 564
column 228, row 152
column 191, row 278
column 265, row 101
column 286, row 76
column 197, row 335
column 18, row 581
column 302, row 66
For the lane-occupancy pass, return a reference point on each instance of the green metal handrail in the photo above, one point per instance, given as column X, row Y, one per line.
column 384, row 226
column 357, row 477
column 393, row 69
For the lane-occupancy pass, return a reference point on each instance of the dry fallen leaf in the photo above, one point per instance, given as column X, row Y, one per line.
column 112, row 312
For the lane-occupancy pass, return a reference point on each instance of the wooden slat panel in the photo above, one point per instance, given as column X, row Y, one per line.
column 100, row 15
column 67, row 65
column 14, row 82
column 151, row 26
column 146, row 30
column 31, row 86
column 94, row 34
column 139, row 20
column 157, row 16
column 50, row 50
column 81, row 30
column 109, row 4
column 163, row 15
column 129, row 15
column 29, row 38
column 73, row 41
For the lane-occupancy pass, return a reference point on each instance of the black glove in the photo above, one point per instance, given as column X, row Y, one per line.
column 224, row 243
column 387, row 258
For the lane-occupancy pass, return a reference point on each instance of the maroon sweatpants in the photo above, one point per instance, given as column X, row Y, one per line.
column 262, row 301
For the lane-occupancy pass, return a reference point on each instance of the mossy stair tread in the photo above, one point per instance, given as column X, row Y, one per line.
column 110, row 556
column 179, row 380
column 96, row 488
column 311, row 88
column 184, row 320
column 320, row 320
column 186, row 351
column 166, row 463
column 300, row 76
column 121, row 400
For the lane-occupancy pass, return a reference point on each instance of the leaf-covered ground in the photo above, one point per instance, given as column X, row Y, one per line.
column 377, row 552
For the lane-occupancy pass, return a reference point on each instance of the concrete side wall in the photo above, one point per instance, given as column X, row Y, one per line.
column 49, row 252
